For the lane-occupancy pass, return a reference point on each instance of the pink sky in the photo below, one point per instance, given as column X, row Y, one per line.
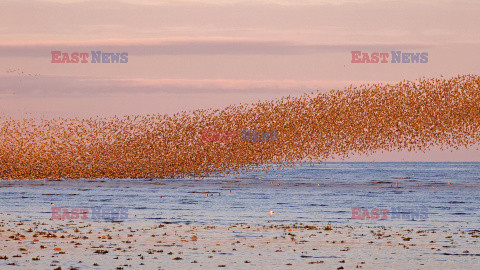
column 200, row 54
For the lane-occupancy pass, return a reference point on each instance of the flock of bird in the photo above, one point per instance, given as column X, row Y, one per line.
column 408, row 115
column 20, row 72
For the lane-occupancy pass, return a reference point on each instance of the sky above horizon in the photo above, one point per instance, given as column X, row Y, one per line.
column 186, row 55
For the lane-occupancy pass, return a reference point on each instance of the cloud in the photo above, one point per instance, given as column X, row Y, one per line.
column 58, row 86
column 193, row 46
column 311, row 21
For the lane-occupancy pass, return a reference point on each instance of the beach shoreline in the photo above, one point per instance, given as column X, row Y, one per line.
column 50, row 244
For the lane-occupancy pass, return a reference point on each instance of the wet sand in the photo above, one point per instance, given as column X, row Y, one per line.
column 50, row 244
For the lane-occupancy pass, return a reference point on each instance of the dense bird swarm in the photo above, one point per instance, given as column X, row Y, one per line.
column 409, row 115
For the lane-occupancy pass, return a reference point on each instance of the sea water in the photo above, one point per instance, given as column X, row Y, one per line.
column 313, row 194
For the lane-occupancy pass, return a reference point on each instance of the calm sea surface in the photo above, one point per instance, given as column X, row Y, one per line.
column 319, row 194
